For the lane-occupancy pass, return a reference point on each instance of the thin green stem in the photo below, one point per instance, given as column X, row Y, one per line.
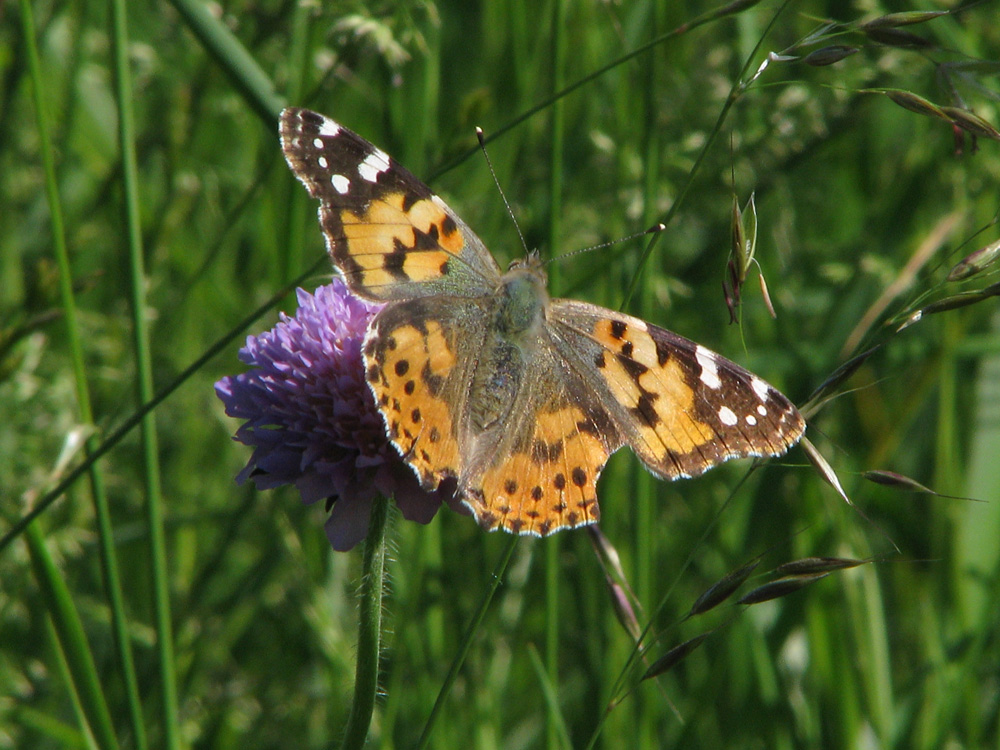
column 72, row 640
column 644, row 486
column 232, row 57
column 552, row 636
column 369, row 629
column 708, row 16
column 144, row 373
column 463, row 649
column 556, row 138
column 63, row 734
column 734, row 94
column 109, row 565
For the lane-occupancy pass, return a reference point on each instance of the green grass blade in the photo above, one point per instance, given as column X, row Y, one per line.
column 645, row 486
column 109, row 563
column 65, row 736
column 242, row 69
column 977, row 555
column 553, row 567
column 556, row 721
column 72, row 640
column 144, row 375
column 463, row 647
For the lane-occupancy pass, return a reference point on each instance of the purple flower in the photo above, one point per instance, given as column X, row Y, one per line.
column 312, row 421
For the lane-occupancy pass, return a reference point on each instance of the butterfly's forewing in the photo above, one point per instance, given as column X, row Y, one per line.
column 389, row 236
column 681, row 407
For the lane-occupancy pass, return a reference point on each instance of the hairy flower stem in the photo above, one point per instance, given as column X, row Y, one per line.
column 369, row 629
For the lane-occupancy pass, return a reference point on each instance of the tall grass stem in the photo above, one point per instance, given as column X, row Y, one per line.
column 144, row 374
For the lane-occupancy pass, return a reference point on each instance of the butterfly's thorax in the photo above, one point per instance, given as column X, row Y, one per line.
column 519, row 315
column 522, row 300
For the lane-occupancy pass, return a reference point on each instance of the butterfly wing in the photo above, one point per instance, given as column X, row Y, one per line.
column 389, row 236
column 537, row 472
column 682, row 408
column 420, row 378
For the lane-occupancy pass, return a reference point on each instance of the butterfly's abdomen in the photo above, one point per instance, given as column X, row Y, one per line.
column 498, row 377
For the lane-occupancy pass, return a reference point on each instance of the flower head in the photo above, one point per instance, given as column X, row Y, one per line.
column 312, row 420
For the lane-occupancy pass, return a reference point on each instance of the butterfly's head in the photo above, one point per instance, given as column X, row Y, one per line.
column 530, row 260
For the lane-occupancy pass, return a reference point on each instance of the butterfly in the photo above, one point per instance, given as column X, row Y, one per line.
column 485, row 381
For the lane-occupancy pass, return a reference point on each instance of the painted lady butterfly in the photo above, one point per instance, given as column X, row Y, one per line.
column 484, row 379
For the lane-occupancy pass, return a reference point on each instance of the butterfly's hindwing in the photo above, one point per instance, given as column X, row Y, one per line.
column 417, row 371
column 387, row 233
column 537, row 472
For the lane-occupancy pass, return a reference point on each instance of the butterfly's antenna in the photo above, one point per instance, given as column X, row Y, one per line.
column 652, row 230
column 482, row 145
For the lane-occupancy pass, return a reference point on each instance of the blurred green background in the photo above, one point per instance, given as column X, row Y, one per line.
column 862, row 209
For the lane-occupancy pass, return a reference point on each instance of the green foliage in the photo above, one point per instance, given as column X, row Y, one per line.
column 868, row 188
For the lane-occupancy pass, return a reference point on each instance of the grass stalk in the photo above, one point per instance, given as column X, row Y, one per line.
column 645, row 485
column 144, row 373
column 109, row 564
column 86, row 685
column 234, row 59
column 466, row 643
column 562, row 739
column 552, row 544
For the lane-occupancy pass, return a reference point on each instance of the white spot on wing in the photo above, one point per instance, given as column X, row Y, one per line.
column 322, row 162
column 340, row 183
column 329, row 127
column 759, row 387
column 761, row 410
column 751, row 420
column 318, row 142
column 709, row 372
column 373, row 165
column 727, row 416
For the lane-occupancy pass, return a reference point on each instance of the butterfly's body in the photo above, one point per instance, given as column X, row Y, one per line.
column 483, row 379
column 510, row 343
